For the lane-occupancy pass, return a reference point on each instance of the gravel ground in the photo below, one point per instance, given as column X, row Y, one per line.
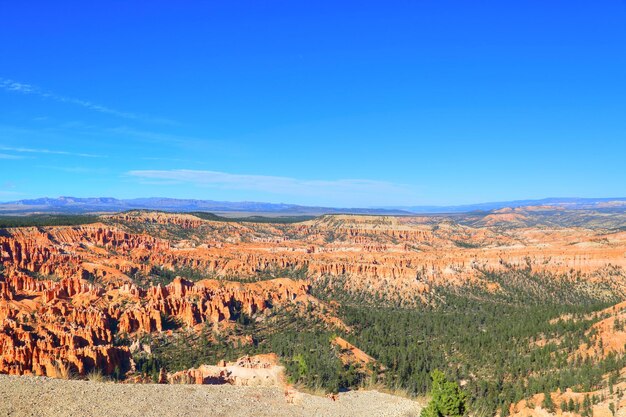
column 37, row 396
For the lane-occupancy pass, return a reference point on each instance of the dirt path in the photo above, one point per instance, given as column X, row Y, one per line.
column 36, row 396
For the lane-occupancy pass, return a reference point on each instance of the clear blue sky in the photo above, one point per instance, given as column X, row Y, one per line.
column 331, row 103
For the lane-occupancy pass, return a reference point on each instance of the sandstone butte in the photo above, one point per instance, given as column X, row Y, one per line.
column 258, row 370
column 66, row 291
column 50, row 327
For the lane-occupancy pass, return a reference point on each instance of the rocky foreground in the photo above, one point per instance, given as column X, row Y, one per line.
column 39, row 396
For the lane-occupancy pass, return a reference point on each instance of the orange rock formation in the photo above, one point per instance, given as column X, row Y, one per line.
column 66, row 292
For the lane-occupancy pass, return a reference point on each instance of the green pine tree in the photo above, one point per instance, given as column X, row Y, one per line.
column 547, row 403
column 448, row 400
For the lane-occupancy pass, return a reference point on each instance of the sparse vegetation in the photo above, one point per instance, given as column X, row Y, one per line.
column 277, row 272
column 466, row 244
column 486, row 340
column 96, row 375
column 463, row 335
column 63, row 370
column 252, row 219
column 164, row 276
column 40, row 220
column 303, row 345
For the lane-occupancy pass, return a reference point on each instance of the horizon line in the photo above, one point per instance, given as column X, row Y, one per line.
column 553, row 200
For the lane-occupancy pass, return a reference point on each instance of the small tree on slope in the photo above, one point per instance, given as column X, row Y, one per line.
column 448, row 400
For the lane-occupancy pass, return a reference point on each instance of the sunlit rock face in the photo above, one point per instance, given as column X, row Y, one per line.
column 67, row 292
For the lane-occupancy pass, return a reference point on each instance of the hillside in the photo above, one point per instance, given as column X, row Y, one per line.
column 510, row 304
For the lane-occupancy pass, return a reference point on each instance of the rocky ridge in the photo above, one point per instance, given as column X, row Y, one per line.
column 69, row 293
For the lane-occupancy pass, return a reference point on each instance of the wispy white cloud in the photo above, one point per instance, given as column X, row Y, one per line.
column 48, row 151
column 9, row 156
column 341, row 190
column 75, row 169
column 58, row 132
column 11, row 85
column 24, row 88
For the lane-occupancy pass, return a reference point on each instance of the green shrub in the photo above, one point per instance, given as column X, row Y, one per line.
column 447, row 399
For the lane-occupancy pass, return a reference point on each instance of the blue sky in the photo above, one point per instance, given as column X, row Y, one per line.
column 324, row 103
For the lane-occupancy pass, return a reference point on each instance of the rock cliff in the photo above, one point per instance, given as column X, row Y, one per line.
column 67, row 294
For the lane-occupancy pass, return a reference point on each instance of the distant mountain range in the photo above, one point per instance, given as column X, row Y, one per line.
column 108, row 204
column 572, row 203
